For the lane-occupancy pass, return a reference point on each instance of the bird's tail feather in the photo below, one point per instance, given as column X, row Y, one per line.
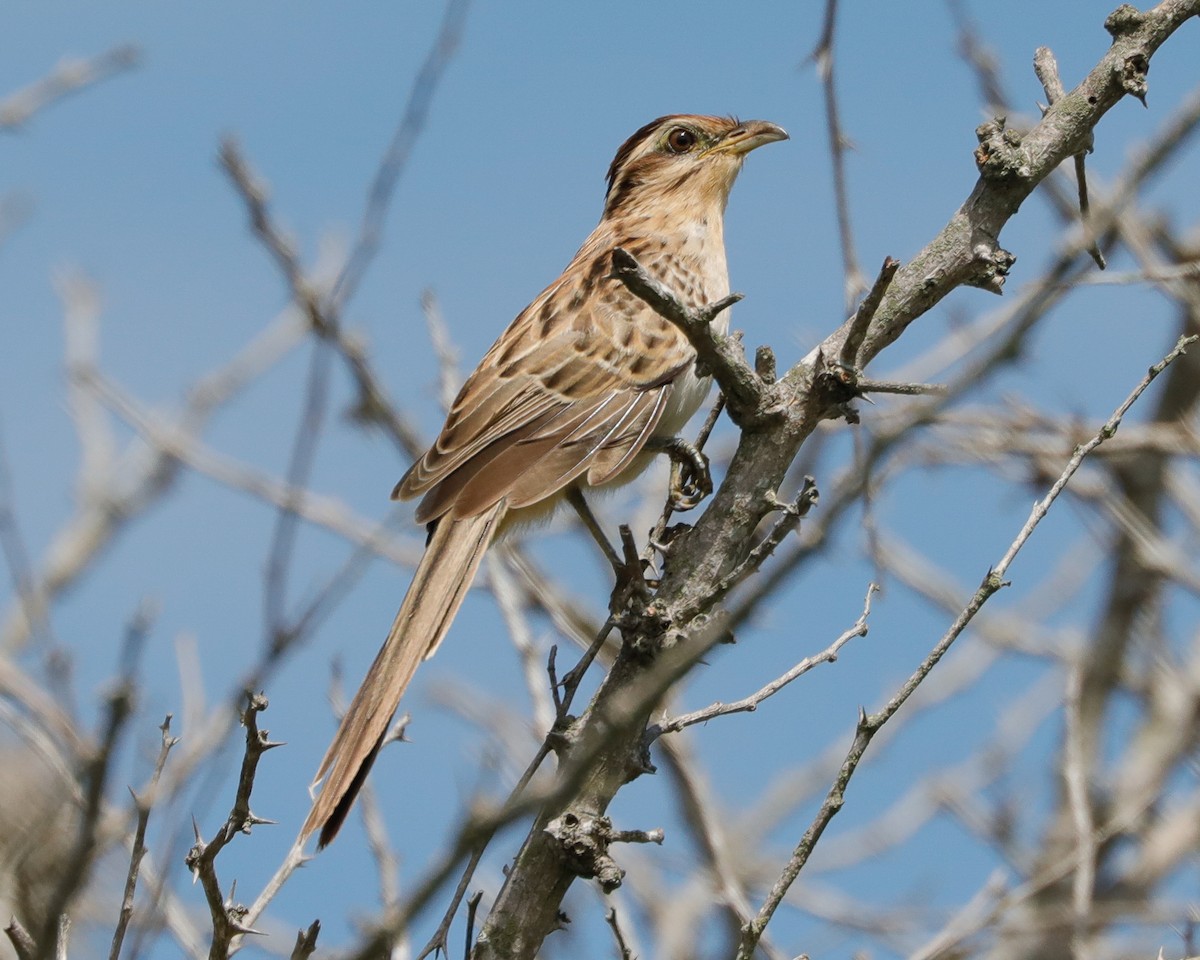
column 437, row 590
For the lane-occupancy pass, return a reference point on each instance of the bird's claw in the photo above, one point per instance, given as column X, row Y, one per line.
column 691, row 480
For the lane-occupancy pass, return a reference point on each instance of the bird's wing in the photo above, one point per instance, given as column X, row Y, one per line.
column 575, row 385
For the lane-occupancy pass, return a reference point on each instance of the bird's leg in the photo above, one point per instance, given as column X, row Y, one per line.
column 576, row 499
column 691, row 480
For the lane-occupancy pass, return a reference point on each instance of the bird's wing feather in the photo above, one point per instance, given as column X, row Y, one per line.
column 566, row 391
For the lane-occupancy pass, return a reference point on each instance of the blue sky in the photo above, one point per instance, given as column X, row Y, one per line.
column 121, row 185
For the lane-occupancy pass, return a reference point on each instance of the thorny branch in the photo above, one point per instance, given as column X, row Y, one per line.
column 870, row 724
column 143, row 804
column 228, row 916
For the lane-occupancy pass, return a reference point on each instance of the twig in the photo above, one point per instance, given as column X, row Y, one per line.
column 968, row 923
column 981, row 60
column 792, row 514
column 472, row 838
column 12, row 545
column 62, row 940
column 280, row 634
column 228, row 918
column 865, row 386
column 573, row 677
column 853, row 281
column 326, row 598
column 1010, row 173
column 22, row 942
column 296, row 858
column 95, row 775
column 97, row 764
column 1075, row 773
column 588, row 521
column 70, row 76
column 1046, row 68
column 1165, row 274
column 449, row 378
column 375, row 829
column 394, row 160
column 324, row 313
column 623, row 950
column 552, row 676
column 1106, row 432
column 869, row 725
column 700, row 812
column 306, row 941
column 508, row 598
column 860, row 323
column 1001, row 338
column 966, row 918
column 472, row 909
column 143, row 804
column 750, row 704
column 373, row 404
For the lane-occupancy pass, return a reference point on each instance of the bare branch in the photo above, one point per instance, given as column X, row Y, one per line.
column 860, row 323
column 69, row 77
column 623, row 950
column 868, row 725
column 230, row 919
column 1076, row 775
column 394, row 160
column 750, row 703
column 97, row 766
column 143, row 804
column 853, row 282
column 22, row 942
column 1046, row 68
column 306, row 941
column 373, row 405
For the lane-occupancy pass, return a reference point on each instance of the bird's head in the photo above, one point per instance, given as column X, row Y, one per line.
column 686, row 160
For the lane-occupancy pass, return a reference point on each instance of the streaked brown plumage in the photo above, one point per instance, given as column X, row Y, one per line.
column 568, row 396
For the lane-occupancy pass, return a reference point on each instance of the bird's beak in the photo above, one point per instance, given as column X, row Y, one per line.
column 749, row 136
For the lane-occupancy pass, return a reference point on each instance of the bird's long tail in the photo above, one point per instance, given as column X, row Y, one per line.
column 437, row 590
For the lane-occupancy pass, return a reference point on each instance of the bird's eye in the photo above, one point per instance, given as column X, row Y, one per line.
column 680, row 140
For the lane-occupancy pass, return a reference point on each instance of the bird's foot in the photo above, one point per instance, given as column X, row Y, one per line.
column 691, row 480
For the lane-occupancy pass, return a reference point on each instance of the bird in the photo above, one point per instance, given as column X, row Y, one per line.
column 572, row 396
